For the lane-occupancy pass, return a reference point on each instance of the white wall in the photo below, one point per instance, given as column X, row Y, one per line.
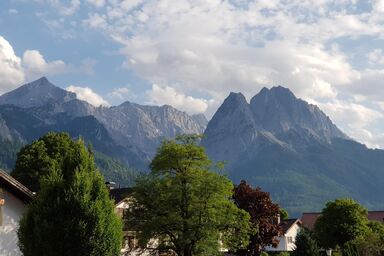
column 286, row 244
column 12, row 211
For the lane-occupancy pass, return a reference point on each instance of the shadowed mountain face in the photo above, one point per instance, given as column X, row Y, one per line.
column 129, row 132
column 277, row 141
column 293, row 150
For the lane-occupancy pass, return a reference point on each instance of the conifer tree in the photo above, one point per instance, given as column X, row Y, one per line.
column 72, row 213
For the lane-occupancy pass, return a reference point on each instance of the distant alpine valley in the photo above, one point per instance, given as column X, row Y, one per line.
column 276, row 141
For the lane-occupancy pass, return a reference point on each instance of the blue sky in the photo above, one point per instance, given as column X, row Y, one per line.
column 192, row 53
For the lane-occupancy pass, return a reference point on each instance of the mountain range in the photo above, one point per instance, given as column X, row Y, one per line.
column 293, row 150
column 128, row 134
column 276, row 141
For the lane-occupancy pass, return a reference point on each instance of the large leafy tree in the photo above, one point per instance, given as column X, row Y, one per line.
column 264, row 215
column 184, row 205
column 306, row 245
column 341, row 221
column 72, row 213
column 35, row 160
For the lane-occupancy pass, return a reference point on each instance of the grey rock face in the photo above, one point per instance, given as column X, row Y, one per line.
column 36, row 93
column 275, row 115
column 293, row 150
column 131, row 126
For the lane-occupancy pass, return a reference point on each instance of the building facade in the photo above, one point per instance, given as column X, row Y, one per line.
column 14, row 199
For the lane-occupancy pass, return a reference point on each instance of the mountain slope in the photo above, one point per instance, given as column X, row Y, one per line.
column 36, row 93
column 293, row 150
column 129, row 133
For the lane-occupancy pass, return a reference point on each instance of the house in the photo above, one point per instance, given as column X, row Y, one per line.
column 309, row 218
column 130, row 245
column 290, row 228
column 121, row 196
column 14, row 199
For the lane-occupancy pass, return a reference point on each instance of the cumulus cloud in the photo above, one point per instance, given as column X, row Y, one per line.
column 165, row 95
column 11, row 71
column 88, row 95
column 356, row 120
column 35, row 65
column 196, row 47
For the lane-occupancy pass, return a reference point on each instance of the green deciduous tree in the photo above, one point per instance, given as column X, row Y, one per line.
column 184, row 205
column 283, row 214
column 341, row 221
column 38, row 158
column 72, row 213
column 369, row 244
column 306, row 245
column 264, row 216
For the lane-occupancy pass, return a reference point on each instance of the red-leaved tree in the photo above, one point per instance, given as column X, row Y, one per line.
column 264, row 216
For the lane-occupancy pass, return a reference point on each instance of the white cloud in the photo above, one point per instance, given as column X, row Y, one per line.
column 213, row 47
column 356, row 120
column 169, row 96
column 96, row 3
column 96, row 20
column 375, row 57
column 35, row 65
column 88, row 95
column 65, row 8
column 13, row 11
column 11, row 72
column 121, row 93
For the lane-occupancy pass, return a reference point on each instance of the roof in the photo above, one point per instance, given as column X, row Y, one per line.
column 376, row 215
column 289, row 223
column 16, row 188
column 119, row 194
column 309, row 218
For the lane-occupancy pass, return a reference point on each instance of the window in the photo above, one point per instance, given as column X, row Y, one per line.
column 290, row 240
column 129, row 242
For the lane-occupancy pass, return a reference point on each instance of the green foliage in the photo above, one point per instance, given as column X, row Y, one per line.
column 8, row 153
column 377, row 228
column 306, row 245
column 341, row 221
column 283, row 214
column 72, row 214
column 113, row 170
column 284, row 254
column 264, row 254
column 369, row 244
column 37, row 159
column 186, row 206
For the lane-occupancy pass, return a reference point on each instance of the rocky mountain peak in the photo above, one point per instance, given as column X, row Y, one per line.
column 36, row 93
column 277, row 113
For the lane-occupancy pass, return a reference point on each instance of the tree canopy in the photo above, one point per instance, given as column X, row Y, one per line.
column 264, row 215
column 72, row 214
column 35, row 160
column 341, row 221
column 306, row 245
column 185, row 205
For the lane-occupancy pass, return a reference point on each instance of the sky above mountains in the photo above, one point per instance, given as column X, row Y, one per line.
column 191, row 54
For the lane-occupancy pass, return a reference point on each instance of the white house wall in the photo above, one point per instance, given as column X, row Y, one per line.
column 284, row 243
column 12, row 212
